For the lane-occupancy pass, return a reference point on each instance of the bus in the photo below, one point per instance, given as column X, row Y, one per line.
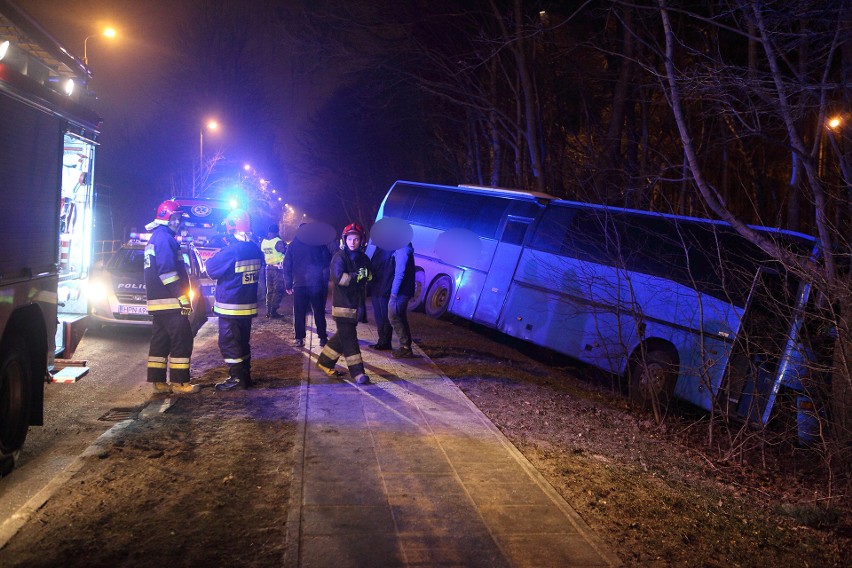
column 681, row 307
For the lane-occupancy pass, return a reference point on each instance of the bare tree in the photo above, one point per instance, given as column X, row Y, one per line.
column 776, row 104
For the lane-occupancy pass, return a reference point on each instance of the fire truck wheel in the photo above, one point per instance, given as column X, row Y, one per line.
column 15, row 384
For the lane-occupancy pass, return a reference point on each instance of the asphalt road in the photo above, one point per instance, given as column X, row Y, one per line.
column 77, row 413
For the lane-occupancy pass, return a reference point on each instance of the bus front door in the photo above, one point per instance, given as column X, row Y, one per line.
column 497, row 283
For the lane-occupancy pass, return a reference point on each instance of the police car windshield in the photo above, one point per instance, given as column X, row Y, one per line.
column 127, row 261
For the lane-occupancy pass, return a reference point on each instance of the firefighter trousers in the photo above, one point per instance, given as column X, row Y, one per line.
column 171, row 348
column 345, row 343
column 234, row 335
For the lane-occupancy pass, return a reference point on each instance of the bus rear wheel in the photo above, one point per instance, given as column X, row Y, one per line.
column 416, row 301
column 652, row 380
column 438, row 297
column 15, row 381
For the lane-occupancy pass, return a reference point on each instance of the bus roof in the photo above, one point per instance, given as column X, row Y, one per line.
column 500, row 191
column 509, row 191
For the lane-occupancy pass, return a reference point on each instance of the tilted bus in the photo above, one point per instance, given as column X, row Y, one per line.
column 681, row 307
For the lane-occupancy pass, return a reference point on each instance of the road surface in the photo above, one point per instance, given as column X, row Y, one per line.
column 76, row 414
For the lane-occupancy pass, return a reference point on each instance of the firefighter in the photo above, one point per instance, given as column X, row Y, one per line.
column 236, row 269
column 350, row 272
column 273, row 248
column 168, row 288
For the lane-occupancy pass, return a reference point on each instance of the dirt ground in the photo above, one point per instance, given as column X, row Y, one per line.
column 206, row 483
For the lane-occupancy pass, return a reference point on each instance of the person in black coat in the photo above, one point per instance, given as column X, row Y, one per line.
column 306, row 276
column 380, row 291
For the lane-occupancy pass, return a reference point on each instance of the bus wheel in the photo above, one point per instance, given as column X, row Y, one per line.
column 15, row 381
column 416, row 301
column 438, row 298
column 652, row 380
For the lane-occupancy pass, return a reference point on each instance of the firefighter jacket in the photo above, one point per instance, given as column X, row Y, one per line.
column 236, row 268
column 348, row 296
column 271, row 255
column 306, row 265
column 166, row 280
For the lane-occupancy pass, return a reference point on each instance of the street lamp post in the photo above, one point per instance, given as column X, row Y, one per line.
column 211, row 125
column 108, row 32
column 831, row 126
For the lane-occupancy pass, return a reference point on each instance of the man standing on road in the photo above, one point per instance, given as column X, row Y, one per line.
column 401, row 291
column 306, row 279
column 167, row 286
column 273, row 248
column 350, row 272
column 236, row 269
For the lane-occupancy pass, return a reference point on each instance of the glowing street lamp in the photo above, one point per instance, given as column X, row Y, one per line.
column 211, row 125
column 832, row 125
column 107, row 32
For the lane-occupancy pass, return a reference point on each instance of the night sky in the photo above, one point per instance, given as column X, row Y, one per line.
column 167, row 72
column 333, row 100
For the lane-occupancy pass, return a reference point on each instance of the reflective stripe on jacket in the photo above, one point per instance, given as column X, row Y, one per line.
column 236, row 269
column 166, row 280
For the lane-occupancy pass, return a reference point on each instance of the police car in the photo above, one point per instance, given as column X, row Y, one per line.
column 117, row 291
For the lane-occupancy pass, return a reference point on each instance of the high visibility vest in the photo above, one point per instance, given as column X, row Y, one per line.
column 270, row 255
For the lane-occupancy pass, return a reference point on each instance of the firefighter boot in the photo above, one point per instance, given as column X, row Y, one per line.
column 231, row 383
column 362, row 379
column 185, row 388
column 329, row 372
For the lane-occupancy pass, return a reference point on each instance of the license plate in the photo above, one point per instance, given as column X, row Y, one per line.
column 133, row 310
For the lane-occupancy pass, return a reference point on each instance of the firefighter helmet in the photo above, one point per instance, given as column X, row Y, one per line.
column 238, row 221
column 166, row 209
column 353, row 228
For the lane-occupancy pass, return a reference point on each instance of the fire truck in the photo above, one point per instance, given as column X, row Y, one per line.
column 48, row 135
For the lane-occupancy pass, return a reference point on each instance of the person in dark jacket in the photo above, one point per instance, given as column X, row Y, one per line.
column 380, row 290
column 306, row 273
column 236, row 269
column 167, row 286
column 401, row 291
column 350, row 272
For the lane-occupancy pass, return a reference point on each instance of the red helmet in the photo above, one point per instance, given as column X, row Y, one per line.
column 166, row 209
column 353, row 228
column 238, row 221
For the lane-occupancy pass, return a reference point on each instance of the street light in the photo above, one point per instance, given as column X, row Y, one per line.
column 108, row 32
column 831, row 126
column 211, row 125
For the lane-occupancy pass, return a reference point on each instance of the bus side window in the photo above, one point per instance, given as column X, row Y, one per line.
column 490, row 211
column 400, row 201
column 553, row 231
column 515, row 230
column 589, row 238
